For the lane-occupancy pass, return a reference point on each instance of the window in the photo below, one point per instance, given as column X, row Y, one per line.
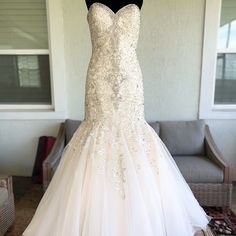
column 32, row 66
column 225, row 84
column 218, row 84
column 24, row 54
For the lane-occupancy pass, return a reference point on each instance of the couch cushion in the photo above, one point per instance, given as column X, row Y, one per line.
column 199, row 169
column 3, row 195
column 71, row 126
column 183, row 137
column 155, row 126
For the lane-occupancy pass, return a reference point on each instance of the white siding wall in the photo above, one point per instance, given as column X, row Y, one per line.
column 18, row 144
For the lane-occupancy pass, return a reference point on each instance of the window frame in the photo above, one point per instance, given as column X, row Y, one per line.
column 207, row 108
column 56, row 110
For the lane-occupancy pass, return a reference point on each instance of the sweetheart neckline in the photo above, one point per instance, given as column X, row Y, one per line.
column 110, row 10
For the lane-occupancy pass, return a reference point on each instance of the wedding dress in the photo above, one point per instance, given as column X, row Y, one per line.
column 116, row 177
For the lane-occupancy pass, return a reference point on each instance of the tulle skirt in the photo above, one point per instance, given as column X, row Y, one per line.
column 117, row 181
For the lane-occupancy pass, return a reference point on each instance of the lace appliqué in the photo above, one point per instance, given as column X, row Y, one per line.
column 114, row 89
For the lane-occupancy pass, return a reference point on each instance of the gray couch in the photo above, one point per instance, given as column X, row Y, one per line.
column 193, row 149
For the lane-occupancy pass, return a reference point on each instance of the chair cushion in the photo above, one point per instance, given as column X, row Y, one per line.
column 3, row 195
column 199, row 169
column 71, row 126
column 155, row 126
column 183, row 137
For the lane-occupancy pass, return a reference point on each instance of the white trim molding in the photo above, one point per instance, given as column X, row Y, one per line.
column 207, row 108
column 57, row 110
column 24, row 51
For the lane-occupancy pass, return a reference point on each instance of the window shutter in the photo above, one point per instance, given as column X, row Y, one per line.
column 23, row 24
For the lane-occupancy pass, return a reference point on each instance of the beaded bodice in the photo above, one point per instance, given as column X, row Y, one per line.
column 114, row 88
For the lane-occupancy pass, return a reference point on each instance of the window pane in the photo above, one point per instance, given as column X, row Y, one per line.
column 225, row 88
column 227, row 31
column 25, row 79
column 23, row 24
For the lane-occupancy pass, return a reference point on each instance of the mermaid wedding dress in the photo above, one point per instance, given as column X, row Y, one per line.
column 116, row 177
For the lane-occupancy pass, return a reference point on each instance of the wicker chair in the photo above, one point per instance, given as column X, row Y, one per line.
column 213, row 191
column 215, row 194
column 199, row 160
column 7, row 207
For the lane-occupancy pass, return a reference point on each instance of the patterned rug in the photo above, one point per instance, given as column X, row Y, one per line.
column 223, row 222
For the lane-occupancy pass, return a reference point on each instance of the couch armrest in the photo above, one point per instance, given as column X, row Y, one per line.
column 54, row 157
column 6, row 182
column 216, row 156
